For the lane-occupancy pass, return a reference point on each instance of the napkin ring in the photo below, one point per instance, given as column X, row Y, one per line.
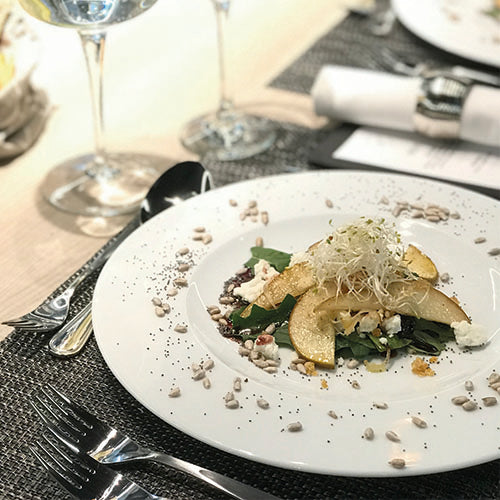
column 439, row 105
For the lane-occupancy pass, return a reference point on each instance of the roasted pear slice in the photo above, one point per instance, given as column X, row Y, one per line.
column 311, row 331
column 416, row 298
column 418, row 263
column 293, row 280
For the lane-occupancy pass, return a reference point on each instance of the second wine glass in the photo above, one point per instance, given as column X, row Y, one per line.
column 227, row 133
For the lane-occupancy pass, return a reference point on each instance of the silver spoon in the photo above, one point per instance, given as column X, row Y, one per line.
column 180, row 182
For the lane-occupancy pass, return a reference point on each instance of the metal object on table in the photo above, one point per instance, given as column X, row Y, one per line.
column 73, row 336
column 51, row 315
column 86, row 434
column 409, row 66
column 178, row 183
column 85, row 478
column 439, row 106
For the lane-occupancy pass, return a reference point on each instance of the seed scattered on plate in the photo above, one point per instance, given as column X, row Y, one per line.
column 199, row 375
column 206, row 383
column 172, row 292
column 294, row 427
column 444, row 277
column 174, row 393
column 469, row 406
column 183, row 251
column 494, row 252
column 208, row 364
column 419, row 422
column 180, row 328
column 479, row 240
column 237, row 384
column 469, row 386
column 180, row 282
column 229, row 396
column 233, row 404
column 459, row 400
column 264, row 218
column 182, row 268
column 199, row 229
column 156, row 301
column 329, row 203
column 493, row 377
column 352, row 363
column 262, row 403
column 332, row 414
column 206, row 239
column 489, row 401
column 392, row 436
column 355, row 384
column 380, row 405
column 259, row 241
column 369, row 434
column 233, row 203
column 397, row 463
column 159, row 311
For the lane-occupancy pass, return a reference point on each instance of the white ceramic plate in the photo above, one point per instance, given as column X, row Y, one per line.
column 457, row 26
column 149, row 358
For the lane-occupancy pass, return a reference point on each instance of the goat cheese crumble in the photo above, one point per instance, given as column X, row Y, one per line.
column 250, row 290
column 469, row 334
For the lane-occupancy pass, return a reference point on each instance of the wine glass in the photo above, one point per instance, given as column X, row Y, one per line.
column 99, row 184
column 227, row 133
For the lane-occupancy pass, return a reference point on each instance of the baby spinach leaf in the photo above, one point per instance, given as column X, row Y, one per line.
column 279, row 260
column 260, row 317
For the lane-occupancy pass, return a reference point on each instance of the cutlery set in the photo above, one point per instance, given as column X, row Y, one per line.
column 76, row 449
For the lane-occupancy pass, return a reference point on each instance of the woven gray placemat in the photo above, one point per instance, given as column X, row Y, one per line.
column 26, row 366
column 351, row 43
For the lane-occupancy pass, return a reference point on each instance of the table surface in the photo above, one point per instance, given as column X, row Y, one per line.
column 160, row 71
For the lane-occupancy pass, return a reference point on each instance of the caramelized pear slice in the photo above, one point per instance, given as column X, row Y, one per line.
column 311, row 331
column 416, row 298
column 293, row 280
column 418, row 263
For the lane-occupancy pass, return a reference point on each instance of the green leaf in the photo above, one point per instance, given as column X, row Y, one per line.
column 279, row 260
column 281, row 336
column 260, row 318
column 376, row 342
column 396, row 342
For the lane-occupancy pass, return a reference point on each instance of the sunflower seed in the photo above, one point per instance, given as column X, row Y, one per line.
column 174, row 393
column 252, row 204
column 213, row 309
column 433, row 218
column 229, row 397
column 380, row 405
column 294, row 427
column 479, row 240
column 262, row 403
column 469, row 406
column 261, row 363
column 199, row 375
column 259, row 241
column 392, row 436
column 233, row 404
column 208, row 364
column 197, row 237
column 355, row 384
column 248, row 344
column 397, row 463
column 264, row 217
column 183, row 251
column 180, row 328
column 172, row 292
column 226, row 300
column 180, row 282
column 270, row 329
column 166, row 308
column 329, row 203
column 494, row 251
column 223, row 321
column 489, row 401
column 243, row 351
column 270, row 369
column 332, row 414
column 159, row 311
column 156, row 301
column 301, row 368
column 272, row 362
column 207, row 238
column 495, row 386
column 445, row 277
column 206, row 383
column 494, row 377
column 469, row 386
column 233, row 203
column 199, row 229
column 459, row 400
column 419, row 422
column 352, row 363
column 217, row 317
column 195, row 367
column 237, row 384
column 368, row 433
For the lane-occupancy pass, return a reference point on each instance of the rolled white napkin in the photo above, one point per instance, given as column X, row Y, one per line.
column 379, row 99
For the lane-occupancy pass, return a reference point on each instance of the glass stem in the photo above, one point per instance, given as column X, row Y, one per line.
column 93, row 48
column 222, row 14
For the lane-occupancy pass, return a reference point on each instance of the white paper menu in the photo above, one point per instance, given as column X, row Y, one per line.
column 408, row 153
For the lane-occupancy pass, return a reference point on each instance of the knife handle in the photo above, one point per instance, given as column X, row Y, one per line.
column 73, row 336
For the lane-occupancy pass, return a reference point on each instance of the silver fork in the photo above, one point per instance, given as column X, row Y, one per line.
column 51, row 315
column 83, row 432
column 85, row 478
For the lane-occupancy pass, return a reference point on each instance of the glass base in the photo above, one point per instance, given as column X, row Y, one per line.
column 80, row 186
column 229, row 135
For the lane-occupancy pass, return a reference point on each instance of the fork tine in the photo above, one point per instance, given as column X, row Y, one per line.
column 85, row 417
column 54, row 467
